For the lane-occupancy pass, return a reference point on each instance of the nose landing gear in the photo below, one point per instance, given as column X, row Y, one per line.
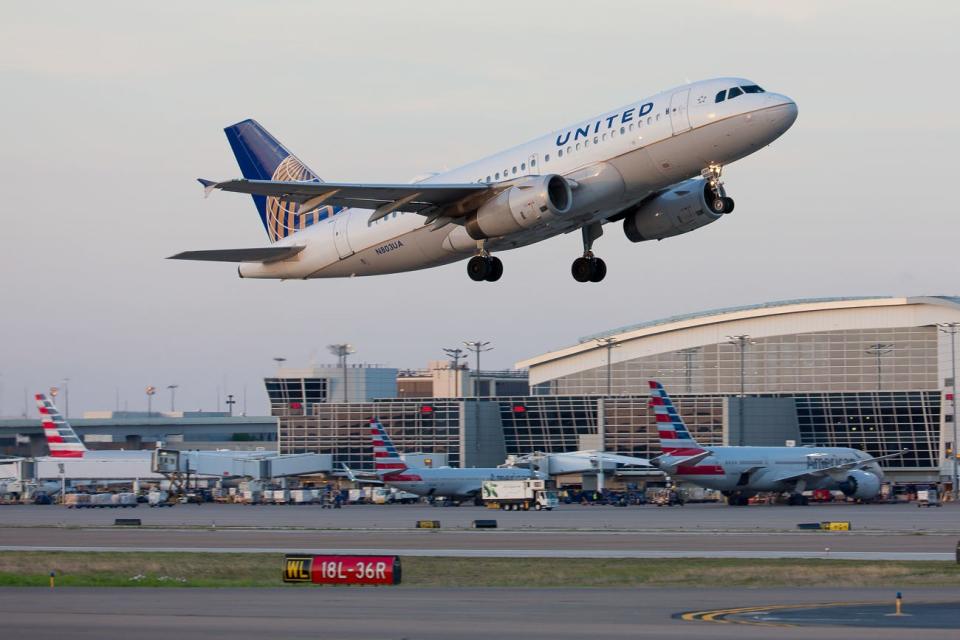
column 589, row 268
column 719, row 203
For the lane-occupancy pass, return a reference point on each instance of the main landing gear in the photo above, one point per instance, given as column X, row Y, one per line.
column 719, row 203
column 484, row 267
column 589, row 268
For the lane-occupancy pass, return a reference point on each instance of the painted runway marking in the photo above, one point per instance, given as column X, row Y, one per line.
column 722, row 616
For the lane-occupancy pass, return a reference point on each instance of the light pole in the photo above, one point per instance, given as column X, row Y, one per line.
column 66, row 398
column 879, row 349
column 279, row 360
column 230, row 402
column 609, row 344
column 54, row 392
column 173, row 396
column 478, row 347
column 950, row 328
column 150, row 391
column 342, row 351
column 741, row 341
column 455, row 355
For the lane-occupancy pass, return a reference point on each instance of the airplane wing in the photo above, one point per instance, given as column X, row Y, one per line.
column 360, row 477
column 257, row 254
column 383, row 198
column 847, row 466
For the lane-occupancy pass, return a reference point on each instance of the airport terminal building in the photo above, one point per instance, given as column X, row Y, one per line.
column 870, row 373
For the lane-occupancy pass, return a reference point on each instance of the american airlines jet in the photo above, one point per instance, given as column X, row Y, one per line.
column 741, row 472
column 653, row 165
column 445, row 482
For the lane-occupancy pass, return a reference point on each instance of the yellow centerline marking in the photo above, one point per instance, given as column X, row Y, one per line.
column 719, row 615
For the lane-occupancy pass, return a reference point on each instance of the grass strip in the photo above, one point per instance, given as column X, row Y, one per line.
column 22, row 569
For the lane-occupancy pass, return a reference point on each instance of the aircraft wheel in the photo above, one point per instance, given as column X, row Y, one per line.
column 598, row 270
column 478, row 268
column 496, row 269
column 581, row 270
column 727, row 204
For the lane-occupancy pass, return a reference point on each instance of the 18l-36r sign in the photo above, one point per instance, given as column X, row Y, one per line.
column 342, row 569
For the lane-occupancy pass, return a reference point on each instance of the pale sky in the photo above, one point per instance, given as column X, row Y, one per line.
column 110, row 111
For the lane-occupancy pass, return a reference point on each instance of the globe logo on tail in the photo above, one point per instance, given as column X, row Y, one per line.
column 284, row 216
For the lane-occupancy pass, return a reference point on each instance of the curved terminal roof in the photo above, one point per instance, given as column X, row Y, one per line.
column 755, row 312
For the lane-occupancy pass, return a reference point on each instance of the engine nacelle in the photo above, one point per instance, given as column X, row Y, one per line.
column 685, row 207
column 860, row 484
column 533, row 200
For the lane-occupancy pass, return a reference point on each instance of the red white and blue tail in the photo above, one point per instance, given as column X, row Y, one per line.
column 675, row 440
column 61, row 438
column 386, row 460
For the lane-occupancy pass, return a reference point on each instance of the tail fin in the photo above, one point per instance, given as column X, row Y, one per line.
column 61, row 438
column 262, row 157
column 675, row 440
column 386, row 458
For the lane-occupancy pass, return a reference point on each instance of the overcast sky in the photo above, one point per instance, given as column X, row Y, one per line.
column 111, row 110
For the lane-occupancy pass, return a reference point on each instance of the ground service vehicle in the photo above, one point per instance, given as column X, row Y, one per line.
column 516, row 495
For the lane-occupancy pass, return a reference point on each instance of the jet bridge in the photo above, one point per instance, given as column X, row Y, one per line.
column 239, row 464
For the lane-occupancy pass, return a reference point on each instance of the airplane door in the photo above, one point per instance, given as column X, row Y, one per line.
column 679, row 118
column 533, row 165
column 340, row 235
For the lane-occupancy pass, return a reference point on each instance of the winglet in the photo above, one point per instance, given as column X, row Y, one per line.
column 350, row 475
column 208, row 186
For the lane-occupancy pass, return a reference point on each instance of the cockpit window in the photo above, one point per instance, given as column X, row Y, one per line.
column 721, row 96
column 734, row 92
column 752, row 89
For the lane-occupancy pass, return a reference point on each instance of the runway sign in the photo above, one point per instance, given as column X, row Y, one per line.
column 835, row 526
column 428, row 524
column 337, row 569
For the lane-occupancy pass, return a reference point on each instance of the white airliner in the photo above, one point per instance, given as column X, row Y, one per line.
column 741, row 472
column 443, row 482
column 654, row 164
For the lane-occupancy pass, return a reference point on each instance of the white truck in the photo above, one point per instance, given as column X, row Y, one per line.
column 517, row 495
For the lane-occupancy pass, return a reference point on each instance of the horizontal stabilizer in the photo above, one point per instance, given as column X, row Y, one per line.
column 257, row 254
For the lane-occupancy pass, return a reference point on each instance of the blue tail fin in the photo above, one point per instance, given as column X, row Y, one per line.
column 262, row 157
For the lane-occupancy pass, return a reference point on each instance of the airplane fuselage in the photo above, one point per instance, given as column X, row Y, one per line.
column 451, row 482
column 615, row 160
column 755, row 469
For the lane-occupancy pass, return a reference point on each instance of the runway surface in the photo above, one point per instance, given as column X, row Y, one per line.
column 692, row 517
column 880, row 532
column 492, row 543
column 427, row 614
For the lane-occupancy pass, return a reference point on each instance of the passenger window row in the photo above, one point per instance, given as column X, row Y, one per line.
column 570, row 149
column 737, row 91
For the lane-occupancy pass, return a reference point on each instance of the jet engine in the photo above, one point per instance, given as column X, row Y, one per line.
column 687, row 206
column 531, row 201
column 860, row 484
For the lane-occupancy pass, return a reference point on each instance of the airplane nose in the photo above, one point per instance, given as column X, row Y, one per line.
column 782, row 114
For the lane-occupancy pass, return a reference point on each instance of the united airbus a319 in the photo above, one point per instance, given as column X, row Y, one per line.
column 653, row 166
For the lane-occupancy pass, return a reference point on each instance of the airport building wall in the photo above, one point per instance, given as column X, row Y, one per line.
column 24, row 437
column 870, row 373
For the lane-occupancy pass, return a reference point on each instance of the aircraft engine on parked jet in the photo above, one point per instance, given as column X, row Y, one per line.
column 528, row 203
column 685, row 207
column 861, row 484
